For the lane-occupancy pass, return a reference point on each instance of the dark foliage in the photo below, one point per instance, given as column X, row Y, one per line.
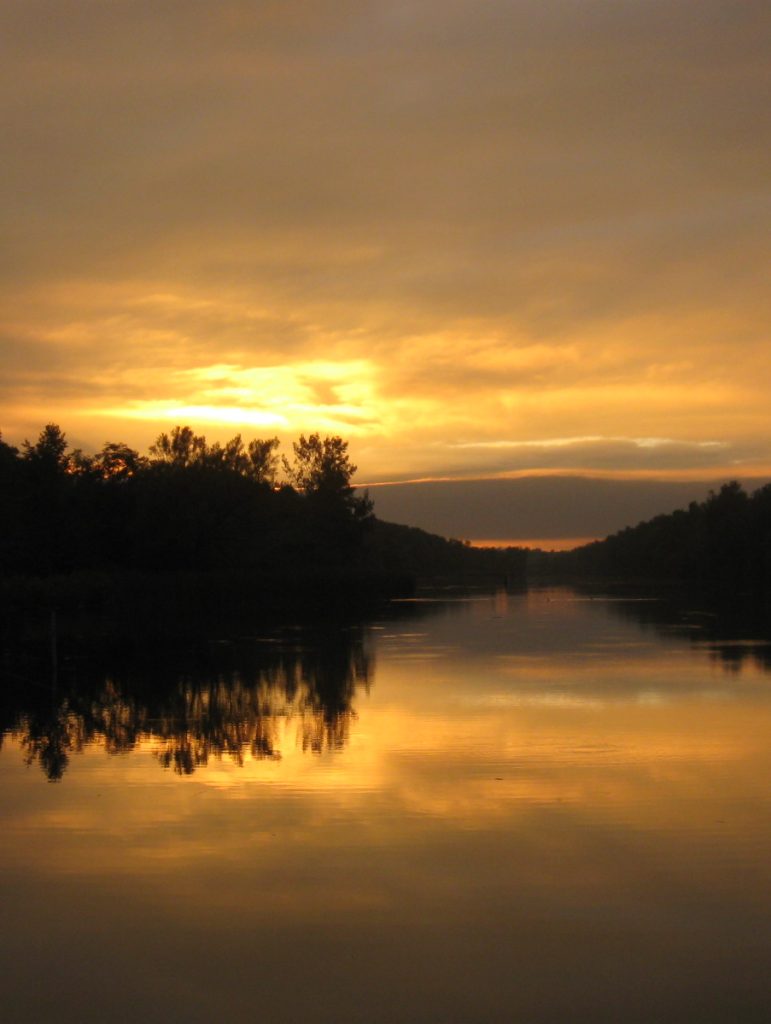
column 407, row 549
column 723, row 542
column 189, row 506
column 191, row 510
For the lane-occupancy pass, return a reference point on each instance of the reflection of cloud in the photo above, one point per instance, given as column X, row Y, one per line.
column 456, row 834
column 518, row 795
column 404, row 771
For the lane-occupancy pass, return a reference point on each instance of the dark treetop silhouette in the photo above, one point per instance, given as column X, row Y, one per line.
column 194, row 507
column 723, row 542
column 189, row 505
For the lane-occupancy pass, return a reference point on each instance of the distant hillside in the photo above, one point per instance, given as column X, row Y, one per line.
column 408, row 550
column 724, row 541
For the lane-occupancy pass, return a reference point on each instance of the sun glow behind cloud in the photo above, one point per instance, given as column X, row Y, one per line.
column 336, row 397
column 527, row 240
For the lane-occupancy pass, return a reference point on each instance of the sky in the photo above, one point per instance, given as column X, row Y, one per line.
column 510, row 239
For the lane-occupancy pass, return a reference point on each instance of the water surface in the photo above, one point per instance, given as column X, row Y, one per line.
column 534, row 807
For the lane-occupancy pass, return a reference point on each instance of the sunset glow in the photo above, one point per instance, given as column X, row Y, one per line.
column 525, row 240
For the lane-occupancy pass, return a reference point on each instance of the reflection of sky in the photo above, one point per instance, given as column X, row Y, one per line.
column 496, row 823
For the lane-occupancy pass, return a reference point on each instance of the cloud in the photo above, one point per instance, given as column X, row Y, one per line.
column 528, row 221
column 543, row 508
column 334, row 394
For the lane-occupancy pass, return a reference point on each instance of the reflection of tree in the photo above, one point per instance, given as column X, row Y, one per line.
column 219, row 718
column 737, row 632
column 213, row 700
column 50, row 740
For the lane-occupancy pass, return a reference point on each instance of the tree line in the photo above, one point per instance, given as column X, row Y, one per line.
column 724, row 541
column 193, row 507
column 187, row 505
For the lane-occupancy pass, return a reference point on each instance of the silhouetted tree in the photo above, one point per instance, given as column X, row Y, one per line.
column 195, row 507
column 724, row 541
column 231, row 456
column 179, row 448
column 12, row 539
column 320, row 465
column 8, row 455
column 263, row 460
column 322, row 471
column 116, row 461
column 50, row 449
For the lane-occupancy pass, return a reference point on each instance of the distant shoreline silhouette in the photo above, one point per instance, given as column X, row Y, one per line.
column 723, row 542
column 238, row 522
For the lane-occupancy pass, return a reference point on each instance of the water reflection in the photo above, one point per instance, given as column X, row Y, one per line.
column 204, row 699
column 546, row 807
column 193, row 702
column 734, row 630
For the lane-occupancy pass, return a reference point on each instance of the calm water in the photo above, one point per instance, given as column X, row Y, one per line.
column 526, row 808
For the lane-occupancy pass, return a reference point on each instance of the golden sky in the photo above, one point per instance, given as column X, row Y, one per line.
column 474, row 239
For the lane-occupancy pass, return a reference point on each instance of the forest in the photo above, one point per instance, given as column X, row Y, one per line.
column 188, row 505
column 723, row 542
column 209, row 512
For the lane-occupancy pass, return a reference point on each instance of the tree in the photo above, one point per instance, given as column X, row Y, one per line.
column 8, row 454
column 183, row 448
column 322, row 472
column 320, row 466
column 116, row 461
column 230, row 456
column 50, row 450
column 263, row 460
column 180, row 448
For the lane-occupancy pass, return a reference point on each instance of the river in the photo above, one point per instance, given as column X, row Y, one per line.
column 521, row 807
